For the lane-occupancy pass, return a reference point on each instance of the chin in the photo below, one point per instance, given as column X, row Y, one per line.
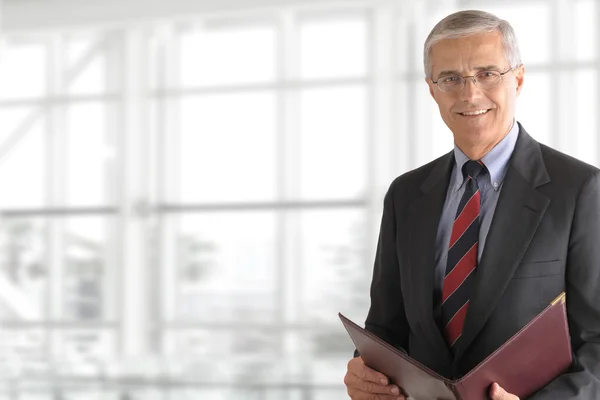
column 476, row 129
column 471, row 127
column 471, row 133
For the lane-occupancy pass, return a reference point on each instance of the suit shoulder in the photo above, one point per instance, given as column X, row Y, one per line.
column 412, row 180
column 563, row 165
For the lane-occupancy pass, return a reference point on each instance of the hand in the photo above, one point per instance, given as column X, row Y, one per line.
column 497, row 393
column 364, row 383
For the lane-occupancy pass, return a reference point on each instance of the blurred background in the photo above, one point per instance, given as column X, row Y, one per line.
column 190, row 190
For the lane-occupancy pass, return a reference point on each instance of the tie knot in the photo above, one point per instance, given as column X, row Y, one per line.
column 473, row 169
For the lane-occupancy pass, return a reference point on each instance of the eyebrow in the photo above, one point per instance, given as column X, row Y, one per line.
column 484, row 68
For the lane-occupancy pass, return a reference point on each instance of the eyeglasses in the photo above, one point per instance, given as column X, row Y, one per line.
column 485, row 80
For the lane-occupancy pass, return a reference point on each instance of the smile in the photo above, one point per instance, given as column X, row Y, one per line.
column 473, row 113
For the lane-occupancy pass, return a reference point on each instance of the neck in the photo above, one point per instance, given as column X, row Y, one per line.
column 476, row 150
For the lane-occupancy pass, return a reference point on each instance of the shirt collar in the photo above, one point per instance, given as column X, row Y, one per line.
column 496, row 160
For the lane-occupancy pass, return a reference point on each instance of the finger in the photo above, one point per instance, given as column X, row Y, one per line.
column 360, row 395
column 354, row 381
column 358, row 368
column 497, row 393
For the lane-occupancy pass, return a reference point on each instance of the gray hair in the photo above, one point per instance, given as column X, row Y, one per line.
column 471, row 22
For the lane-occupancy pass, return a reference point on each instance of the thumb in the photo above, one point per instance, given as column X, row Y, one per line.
column 497, row 393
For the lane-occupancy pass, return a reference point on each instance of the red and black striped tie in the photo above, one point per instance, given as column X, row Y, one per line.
column 462, row 256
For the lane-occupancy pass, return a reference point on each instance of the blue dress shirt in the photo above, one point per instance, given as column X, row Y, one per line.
column 496, row 161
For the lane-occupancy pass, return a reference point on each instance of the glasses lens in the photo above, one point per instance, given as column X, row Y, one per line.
column 450, row 83
column 488, row 78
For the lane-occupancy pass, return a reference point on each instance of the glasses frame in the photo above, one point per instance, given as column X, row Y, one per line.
column 473, row 78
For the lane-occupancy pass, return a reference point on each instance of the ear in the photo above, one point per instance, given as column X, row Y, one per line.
column 520, row 77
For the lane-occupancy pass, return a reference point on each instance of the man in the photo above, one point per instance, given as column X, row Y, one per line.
column 476, row 243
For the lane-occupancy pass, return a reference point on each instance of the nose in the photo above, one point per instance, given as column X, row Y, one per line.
column 470, row 90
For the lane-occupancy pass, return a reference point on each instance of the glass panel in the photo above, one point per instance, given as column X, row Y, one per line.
column 88, row 287
column 430, row 18
column 24, row 274
column 533, row 43
column 533, row 106
column 402, row 31
column 443, row 138
column 586, row 33
column 23, row 269
column 23, row 352
column 92, row 79
column 99, row 393
column 145, row 393
column 586, row 115
column 14, row 119
column 27, row 391
column 209, row 393
column 404, row 137
column 333, row 134
column 330, row 394
column 89, row 156
column 82, row 351
column 225, row 158
column 22, row 71
column 243, row 54
column 23, row 164
column 154, row 62
column 336, row 273
column 268, row 391
column 88, row 61
column 77, row 48
column 247, row 343
column 201, row 393
column 333, row 49
column 429, row 126
column 34, row 394
column 325, row 371
column 226, row 267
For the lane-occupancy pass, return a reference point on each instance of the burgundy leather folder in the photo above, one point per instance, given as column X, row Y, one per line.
column 529, row 360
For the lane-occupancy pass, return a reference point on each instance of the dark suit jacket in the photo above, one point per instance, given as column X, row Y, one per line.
column 544, row 238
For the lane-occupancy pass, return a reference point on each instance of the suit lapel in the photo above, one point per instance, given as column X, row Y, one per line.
column 423, row 225
column 519, row 210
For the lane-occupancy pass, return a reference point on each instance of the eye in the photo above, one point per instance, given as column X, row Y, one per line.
column 450, row 79
column 487, row 74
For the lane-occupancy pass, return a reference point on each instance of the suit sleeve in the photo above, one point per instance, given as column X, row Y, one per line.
column 386, row 317
column 582, row 381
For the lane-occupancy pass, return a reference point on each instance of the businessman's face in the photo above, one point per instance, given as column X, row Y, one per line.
column 467, row 56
